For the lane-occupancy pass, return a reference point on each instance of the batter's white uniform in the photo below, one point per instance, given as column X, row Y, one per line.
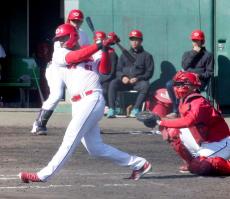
column 86, row 113
column 56, row 86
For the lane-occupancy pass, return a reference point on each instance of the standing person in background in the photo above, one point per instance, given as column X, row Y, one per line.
column 105, row 79
column 75, row 18
column 132, row 76
column 43, row 56
column 197, row 60
column 82, row 81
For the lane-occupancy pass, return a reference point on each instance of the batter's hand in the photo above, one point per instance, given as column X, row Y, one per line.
column 114, row 36
column 111, row 40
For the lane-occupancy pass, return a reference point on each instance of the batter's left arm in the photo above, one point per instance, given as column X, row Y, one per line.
column 82, row 54
column 104, row 65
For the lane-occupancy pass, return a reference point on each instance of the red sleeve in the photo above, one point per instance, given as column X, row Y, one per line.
column 181, row 122
column 82, row 54
column 105, row 65
column 197, row 113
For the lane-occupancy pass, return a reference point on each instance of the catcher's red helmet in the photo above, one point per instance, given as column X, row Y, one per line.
column 75, row 14
column 197, row 35
column 183, row 81
column 136, row 34
column 67, row 30
column 99, row 35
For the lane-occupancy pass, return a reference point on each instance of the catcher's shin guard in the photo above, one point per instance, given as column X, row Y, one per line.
column 178, row 146
column 210, row 166
column 201, row 166
column 221, row 166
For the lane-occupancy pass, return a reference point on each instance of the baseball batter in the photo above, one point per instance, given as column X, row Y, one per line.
column 56, row 86
column 82, row 82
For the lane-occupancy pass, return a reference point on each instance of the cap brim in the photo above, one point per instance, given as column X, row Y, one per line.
column 136, row 38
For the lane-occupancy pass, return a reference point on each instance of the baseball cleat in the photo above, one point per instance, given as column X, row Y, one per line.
column 184, row 168
column 27, row 177
column 137, row 174
column 111, row 113
column 38, row 130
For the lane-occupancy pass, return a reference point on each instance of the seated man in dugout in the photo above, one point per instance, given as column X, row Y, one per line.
column 132, row 76
column 197, row 60
column 200, row 135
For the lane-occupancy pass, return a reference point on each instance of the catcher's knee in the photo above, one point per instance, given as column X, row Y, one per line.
column 173, row 134
column 181, row 150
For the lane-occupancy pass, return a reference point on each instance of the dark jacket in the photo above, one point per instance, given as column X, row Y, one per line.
column 142, row 69
column 201, row 63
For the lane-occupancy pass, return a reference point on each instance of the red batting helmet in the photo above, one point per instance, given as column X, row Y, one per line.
column 183, row 81
column 136, row 34
column 197, row 35
column 75, row 14
column 99, row 35
column 67, row 30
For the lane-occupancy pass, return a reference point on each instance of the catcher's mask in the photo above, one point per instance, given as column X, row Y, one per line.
column 185, row 83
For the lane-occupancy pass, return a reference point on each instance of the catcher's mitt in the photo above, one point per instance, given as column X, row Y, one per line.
column 148, row 118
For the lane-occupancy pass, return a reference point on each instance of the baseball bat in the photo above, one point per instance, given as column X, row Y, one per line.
column 129, row 56
column 38, row 85
column 90, row 24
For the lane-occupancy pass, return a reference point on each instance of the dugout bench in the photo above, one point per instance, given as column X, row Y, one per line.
column 125, row 101
column 21, row 76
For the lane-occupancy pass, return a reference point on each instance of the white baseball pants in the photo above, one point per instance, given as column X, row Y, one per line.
column 84, row 128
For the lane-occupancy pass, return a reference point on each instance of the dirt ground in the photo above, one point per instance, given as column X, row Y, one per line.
column 85, row 177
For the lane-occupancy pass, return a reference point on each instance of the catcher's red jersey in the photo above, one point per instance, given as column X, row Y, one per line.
column 197, row 111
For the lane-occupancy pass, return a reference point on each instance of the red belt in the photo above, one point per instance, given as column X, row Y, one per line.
column 76, row 98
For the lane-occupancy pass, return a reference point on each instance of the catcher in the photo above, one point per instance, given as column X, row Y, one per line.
column 200, row 135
